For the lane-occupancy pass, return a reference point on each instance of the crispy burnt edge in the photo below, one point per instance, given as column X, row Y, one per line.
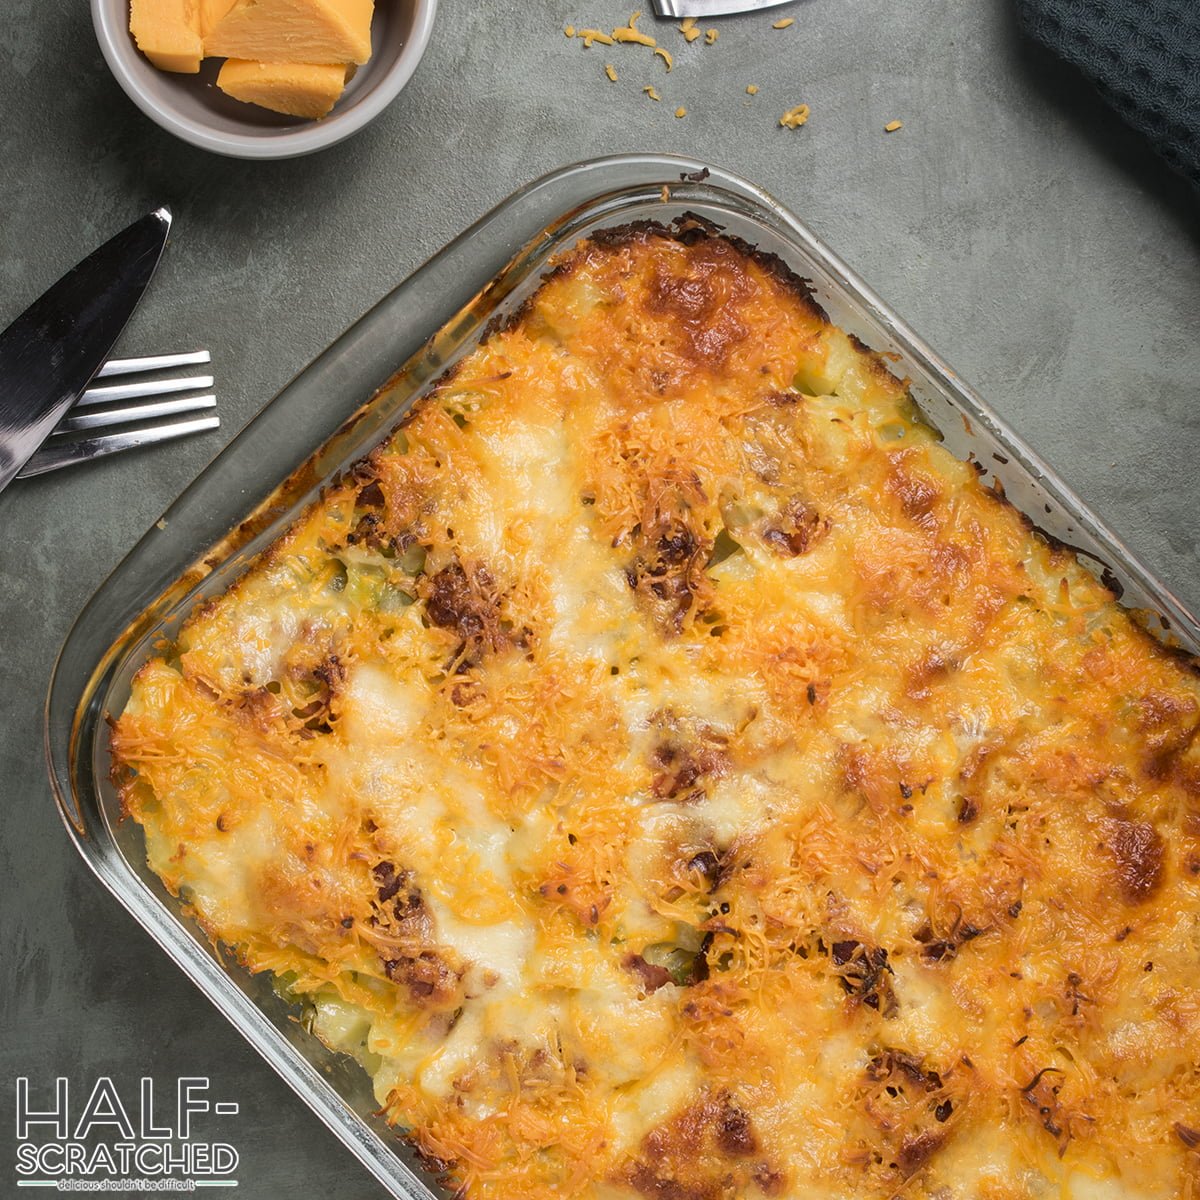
column 1139, row 619
column 687, row 229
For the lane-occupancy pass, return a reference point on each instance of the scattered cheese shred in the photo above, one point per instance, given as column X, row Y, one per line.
column 795, row 117
column 688, row 29
column 569, row 31
column 710, row 36
column 629, row 33
column 594, row 35
column 611, row 72
column 784, row 23
column 681, row 111
column 665, row 55
column 892, row 126
column 652, row 93
column 752, row 89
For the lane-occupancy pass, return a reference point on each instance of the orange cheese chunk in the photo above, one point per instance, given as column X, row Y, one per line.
column 166, row 33
column 290, row 31
column 297, row 89
column 211, row 13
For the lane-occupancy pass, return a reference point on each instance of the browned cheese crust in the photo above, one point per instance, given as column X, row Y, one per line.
column 674, row 775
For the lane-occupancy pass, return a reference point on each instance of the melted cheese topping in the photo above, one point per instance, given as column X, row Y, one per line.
column 672, row 774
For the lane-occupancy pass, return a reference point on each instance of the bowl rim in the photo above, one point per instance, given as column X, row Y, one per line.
column 119, row 52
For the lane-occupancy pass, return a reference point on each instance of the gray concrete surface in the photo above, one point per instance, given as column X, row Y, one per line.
column 1032, row 239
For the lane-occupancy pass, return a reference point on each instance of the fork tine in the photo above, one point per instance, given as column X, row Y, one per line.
column 63, row 451
column 152, row 362
column 77, row 421
column 148, row 387
column 54, row 455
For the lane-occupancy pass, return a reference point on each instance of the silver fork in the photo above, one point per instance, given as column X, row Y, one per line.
column 138, row 404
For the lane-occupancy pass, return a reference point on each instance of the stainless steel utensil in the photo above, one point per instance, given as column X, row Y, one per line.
column 49, row 354
column 102, row 407
column 710, row 8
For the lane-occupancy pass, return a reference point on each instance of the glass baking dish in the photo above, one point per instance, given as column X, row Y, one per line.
column 336, row 411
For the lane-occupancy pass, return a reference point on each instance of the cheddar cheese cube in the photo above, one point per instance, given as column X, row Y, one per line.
column 211, row 13
column 294, row 31
column 296, row 89
column 167, row 33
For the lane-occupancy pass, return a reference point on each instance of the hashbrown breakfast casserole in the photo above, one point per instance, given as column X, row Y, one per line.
column 674, row 775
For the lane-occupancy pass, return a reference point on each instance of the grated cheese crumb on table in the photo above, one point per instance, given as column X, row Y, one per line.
column 795, row 117
column 629, row 33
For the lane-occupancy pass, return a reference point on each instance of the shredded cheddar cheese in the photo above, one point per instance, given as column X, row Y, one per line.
column 795, row 117
column 611, row 72
column 591, row 36
column 628, row 33
column 681, row 111
column 710, row 36
column 783, row 23
column 751, row 89
column 652, row 92
column 892, row 126
column 665, row 55
column 688, row 28
column 673, row 775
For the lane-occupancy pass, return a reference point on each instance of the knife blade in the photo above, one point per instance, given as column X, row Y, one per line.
column 49, row 354
column 710, row 8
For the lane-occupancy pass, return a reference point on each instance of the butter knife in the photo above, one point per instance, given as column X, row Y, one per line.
column 710, row 8
column 49, row 354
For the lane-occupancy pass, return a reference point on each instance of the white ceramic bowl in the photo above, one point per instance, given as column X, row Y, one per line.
column 193, row 108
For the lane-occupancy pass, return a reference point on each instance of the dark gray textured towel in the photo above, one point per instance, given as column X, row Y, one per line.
column 1143, row 55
